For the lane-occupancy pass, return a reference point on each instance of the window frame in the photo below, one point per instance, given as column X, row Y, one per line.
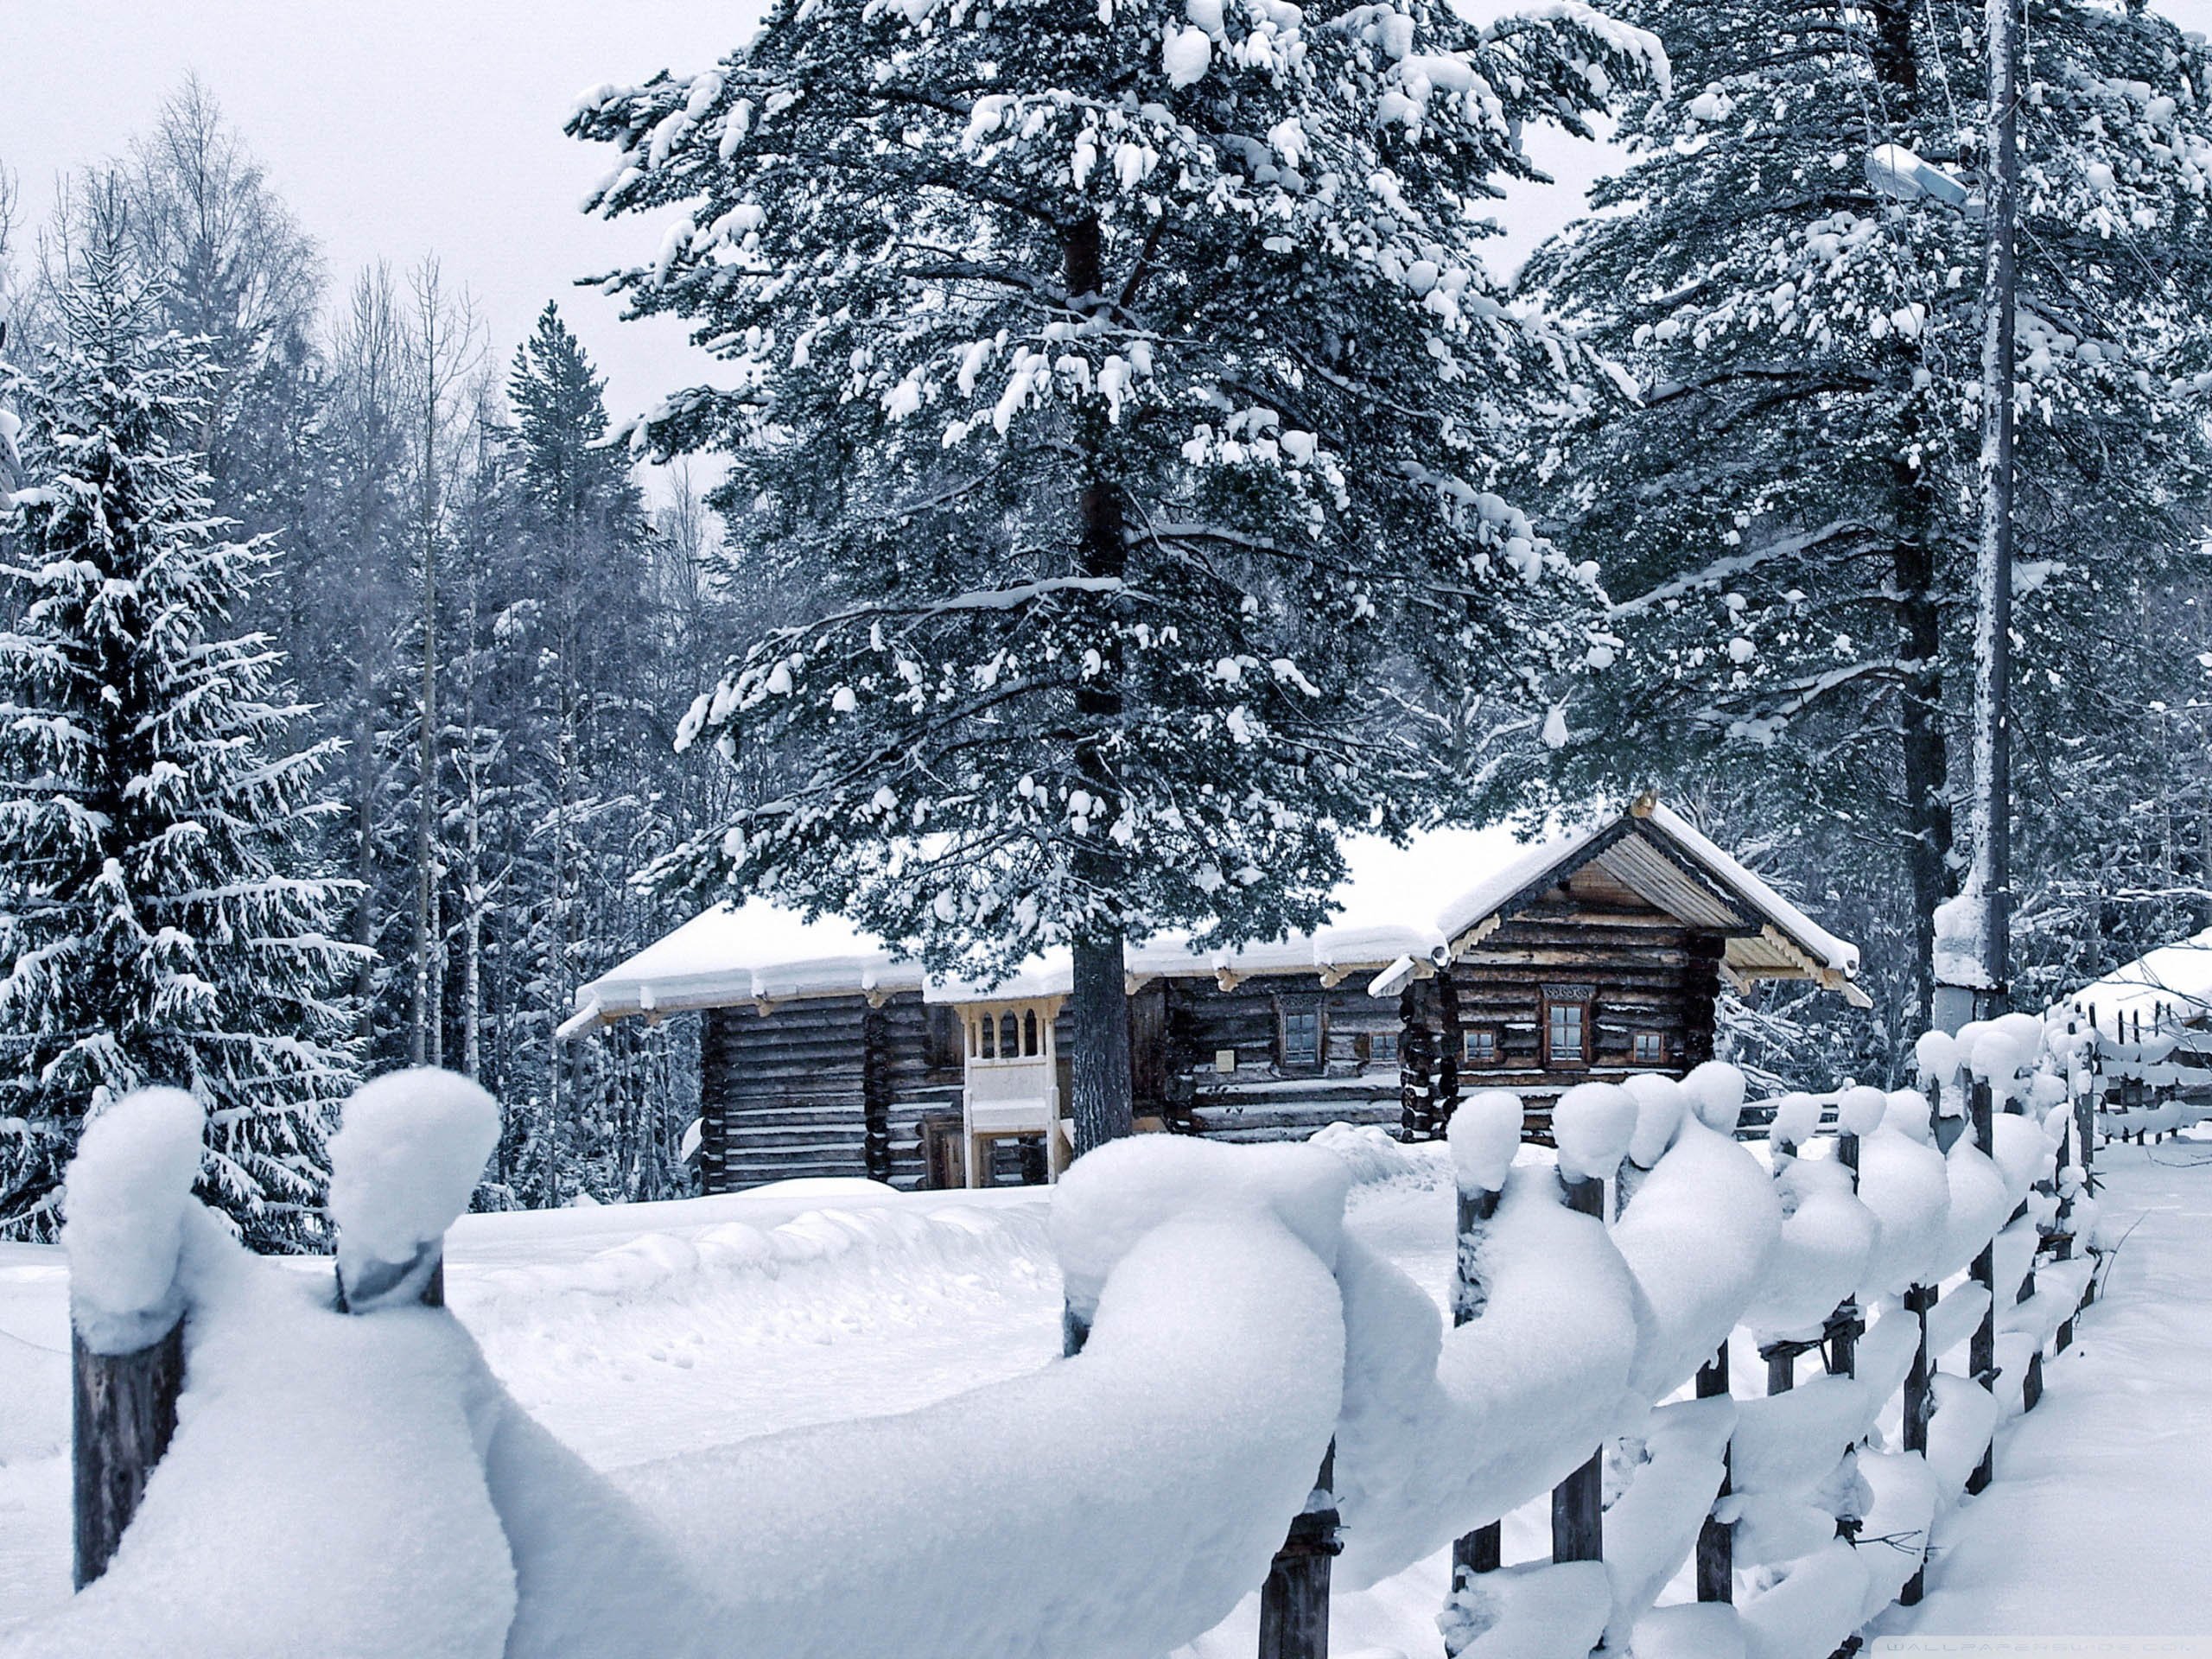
column 1496, row 1057
column 1374, row 1052
column 1558, row 998
column 1285, row 1011
column 1636, row 1054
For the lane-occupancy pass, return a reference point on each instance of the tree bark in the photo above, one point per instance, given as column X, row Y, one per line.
column 124, row 1415
column 1103, row 1105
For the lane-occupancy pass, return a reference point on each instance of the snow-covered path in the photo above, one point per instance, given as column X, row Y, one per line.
column 2100, row 1522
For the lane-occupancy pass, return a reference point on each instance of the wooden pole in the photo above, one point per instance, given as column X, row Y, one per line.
column 1982, row 1355
column 1578, row 1502
column 1844, row 1323
column 122, row 1416
column 1481, row 1550
column 1716, row 1543
column 1919, row 1408
column 1295, row 1601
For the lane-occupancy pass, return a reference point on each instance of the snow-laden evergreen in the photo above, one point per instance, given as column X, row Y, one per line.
column 1115, row 393
column 163, row 918
column 1787, row 520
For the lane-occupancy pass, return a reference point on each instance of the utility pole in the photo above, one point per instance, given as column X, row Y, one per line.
column 1991, row 877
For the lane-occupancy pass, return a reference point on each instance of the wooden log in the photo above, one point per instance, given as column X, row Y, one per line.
column 1847, row 1323
column 1295, row 1601
column 1578, row 1502
column 1781, row 1365
column 1416, row 1066
column 122, row 1416
column 875, row 1094
column 1450, row 1049
column 1481, row 1550
column 1716, row 1542
column 1981, row 1353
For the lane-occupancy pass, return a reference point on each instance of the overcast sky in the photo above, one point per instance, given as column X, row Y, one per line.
column 397, row 128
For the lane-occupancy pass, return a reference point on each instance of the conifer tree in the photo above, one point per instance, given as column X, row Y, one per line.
column 161, row 917
column 1788, row 516
column 1114, row 396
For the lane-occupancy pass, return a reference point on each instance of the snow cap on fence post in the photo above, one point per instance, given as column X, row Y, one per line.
column 1911, row 1115
column 1936, row 1052
column 1484, row 1135
column 1592, row 1124
column 1797, row 1120
column 1716, row 1092
column 1660, row 1105
column 125, row 1198
column 1859, row 1111
column 409, row 1151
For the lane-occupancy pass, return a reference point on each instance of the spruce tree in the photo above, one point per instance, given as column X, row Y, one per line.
column 1114, row 394
column 161, row 917
column 1788, row 515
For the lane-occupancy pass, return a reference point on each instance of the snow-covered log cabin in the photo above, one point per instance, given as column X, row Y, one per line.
column 1468, row 959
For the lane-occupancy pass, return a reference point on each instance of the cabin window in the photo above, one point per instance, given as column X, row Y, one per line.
column 1479, row 1045
column 1029, row 1034
column 1383, row 1047
column 1301, row 1030
column 1650, row 1048
column 1566, row 1025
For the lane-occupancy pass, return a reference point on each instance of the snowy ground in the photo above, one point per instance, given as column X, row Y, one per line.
column 640, row 1333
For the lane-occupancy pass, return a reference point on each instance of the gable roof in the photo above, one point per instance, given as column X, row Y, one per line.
column 1403, row 908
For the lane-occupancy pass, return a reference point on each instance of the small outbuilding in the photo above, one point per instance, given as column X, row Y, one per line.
column 2150, row 1027
column 1466, row 959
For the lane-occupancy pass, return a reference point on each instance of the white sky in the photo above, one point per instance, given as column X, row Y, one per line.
column 397, row 128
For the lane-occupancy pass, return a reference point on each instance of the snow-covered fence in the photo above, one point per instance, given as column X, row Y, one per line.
column 130, row 1205
column 1234, row 1339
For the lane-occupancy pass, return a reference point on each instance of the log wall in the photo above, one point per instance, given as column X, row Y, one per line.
column 788, row 1093
column 797, row 1091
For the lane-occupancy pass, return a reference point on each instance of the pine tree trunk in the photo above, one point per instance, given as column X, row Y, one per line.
column 1102, row 1104
column 364, row 847
column 1927, row 766
column 1926, row 760
column 421, row 1041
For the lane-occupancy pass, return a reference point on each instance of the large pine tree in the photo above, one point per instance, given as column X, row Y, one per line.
column 161, row 917
column 1788, row 516
column 1113, row 392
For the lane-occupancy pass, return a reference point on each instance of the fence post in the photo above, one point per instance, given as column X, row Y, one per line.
column 1981, row 1354
column 1482, row 1549
column 1579, row 1502
column 403, row 1164
column 1846, row 1322
column 1716, row 1543
column 1295, row 1601
column 128, row 1199
column 122, row 1416
column 1485, row 1133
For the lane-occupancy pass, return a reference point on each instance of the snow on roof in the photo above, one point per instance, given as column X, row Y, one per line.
column 1398, row 904
column 1809, row 936
column 2177, row 977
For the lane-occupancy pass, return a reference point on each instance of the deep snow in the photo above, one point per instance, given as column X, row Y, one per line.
column 643, row 1333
